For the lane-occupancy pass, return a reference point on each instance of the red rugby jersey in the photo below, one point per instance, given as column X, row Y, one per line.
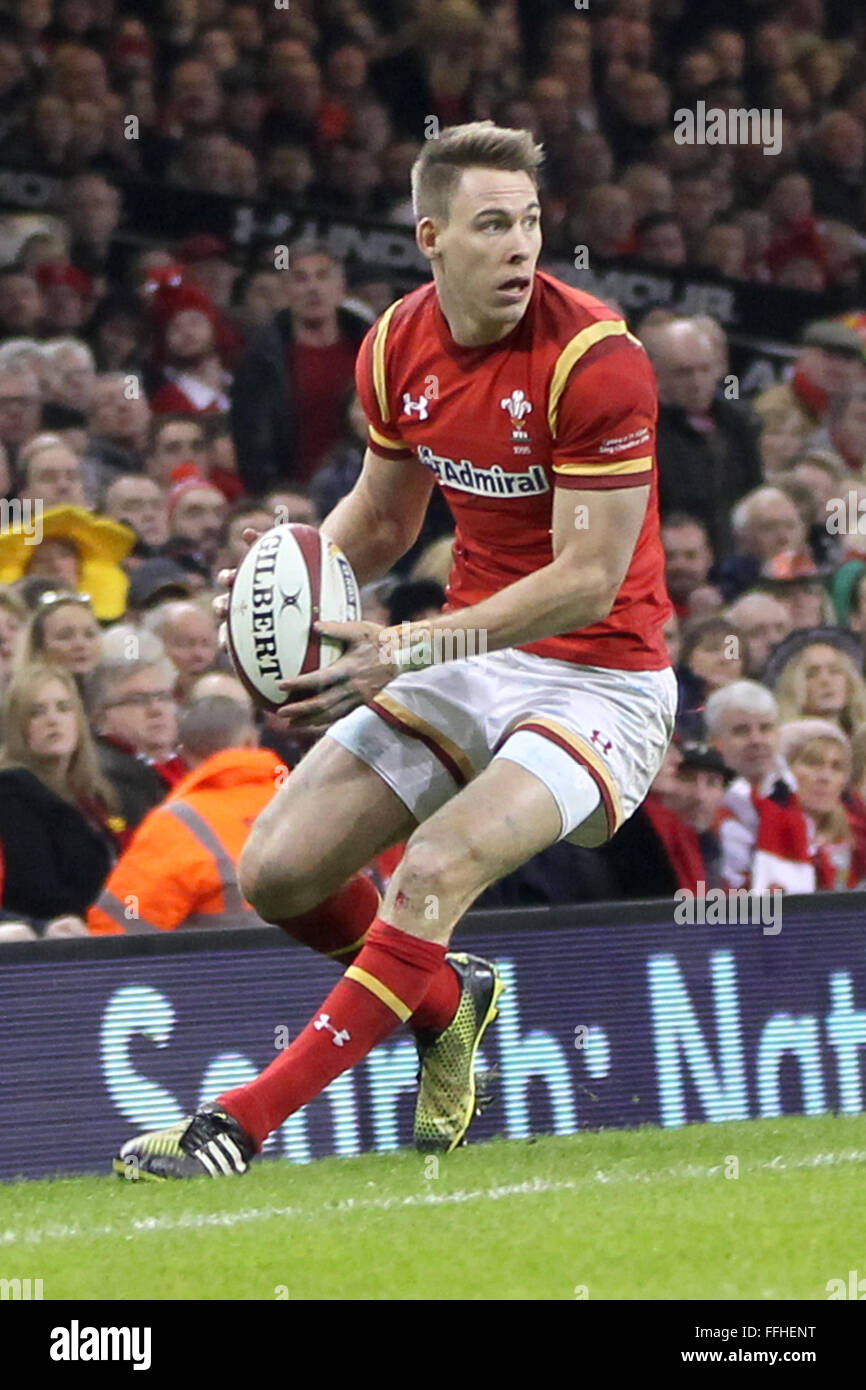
column 567, row 399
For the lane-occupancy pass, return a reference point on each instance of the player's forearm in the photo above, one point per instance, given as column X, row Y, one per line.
column 372, row 543
column 554, row 599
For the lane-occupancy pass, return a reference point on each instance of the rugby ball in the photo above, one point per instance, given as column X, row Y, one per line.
column 290, row 578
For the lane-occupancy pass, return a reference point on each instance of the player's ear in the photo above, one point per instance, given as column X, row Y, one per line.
column 427, row 237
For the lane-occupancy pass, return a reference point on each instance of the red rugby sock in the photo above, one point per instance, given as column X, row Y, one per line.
column 383, row 988
column 439, row 1004
column 337, row 927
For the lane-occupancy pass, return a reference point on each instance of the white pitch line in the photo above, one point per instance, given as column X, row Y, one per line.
column 536, row 1186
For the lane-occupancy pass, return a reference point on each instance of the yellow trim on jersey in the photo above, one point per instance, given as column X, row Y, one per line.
column 588, row 753
column 387, row 996
column 414, row 721
column 383, row 440
column 380, row 385
column 603, row 469
column 572, row 353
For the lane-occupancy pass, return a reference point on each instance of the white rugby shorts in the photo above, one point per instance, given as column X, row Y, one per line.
column 428, row 733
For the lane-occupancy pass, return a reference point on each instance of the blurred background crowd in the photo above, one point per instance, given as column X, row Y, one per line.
column 160, row 394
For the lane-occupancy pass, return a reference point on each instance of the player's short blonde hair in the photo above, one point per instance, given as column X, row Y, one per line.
column 478, row 144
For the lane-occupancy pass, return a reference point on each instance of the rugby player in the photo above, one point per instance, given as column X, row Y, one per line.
column 533, row 407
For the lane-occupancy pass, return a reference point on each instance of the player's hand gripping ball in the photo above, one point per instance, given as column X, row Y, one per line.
column 290, row 579
column 294, row 630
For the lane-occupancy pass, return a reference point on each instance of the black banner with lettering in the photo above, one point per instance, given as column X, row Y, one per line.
column 763, row 322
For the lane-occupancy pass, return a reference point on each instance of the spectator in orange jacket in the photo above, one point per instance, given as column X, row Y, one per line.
column 181, row 868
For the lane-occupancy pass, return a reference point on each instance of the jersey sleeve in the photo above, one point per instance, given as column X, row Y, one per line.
column 602, row 413
column 383, row 438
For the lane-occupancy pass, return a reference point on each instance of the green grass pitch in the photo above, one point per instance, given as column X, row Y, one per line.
column 627, row 1214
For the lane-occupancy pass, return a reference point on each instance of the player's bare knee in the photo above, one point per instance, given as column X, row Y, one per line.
column 274, row 887
column 443, row 864
column 278, row 898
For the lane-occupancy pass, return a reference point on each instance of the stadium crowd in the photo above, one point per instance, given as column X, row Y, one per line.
column 158, row 397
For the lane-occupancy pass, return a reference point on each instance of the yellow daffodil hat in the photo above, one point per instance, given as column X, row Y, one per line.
column 101, row 544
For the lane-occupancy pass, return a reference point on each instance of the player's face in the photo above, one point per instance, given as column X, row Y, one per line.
column 486, row 253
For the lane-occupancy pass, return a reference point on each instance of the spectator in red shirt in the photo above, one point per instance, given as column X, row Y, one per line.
column 291, row 383
column 659, row 849
column 194, row 377
column 701, row 781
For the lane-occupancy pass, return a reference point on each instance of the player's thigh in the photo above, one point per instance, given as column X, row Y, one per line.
column 502, row 818
column 332, row 816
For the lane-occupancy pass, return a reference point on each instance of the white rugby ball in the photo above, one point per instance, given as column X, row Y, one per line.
column 290, row 578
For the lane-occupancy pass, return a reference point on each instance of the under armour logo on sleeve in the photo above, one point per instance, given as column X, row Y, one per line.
column 422, row 406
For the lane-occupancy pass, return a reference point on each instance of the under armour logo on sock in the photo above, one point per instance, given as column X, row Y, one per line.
column 340, row 1037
